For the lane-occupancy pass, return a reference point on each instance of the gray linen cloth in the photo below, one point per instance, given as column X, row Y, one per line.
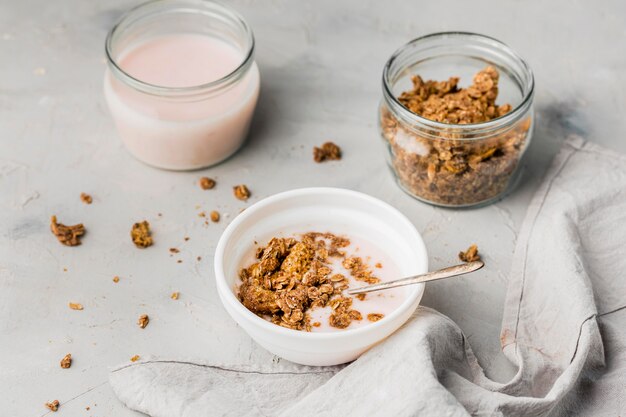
column 564, row 327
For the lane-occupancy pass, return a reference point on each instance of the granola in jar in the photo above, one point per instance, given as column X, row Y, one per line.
column 450, row 145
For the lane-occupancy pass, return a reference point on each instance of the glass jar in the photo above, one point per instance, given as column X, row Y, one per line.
column 456, row 165
column 188, row 126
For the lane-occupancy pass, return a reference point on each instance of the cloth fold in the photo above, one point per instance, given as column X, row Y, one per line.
column 564, row 327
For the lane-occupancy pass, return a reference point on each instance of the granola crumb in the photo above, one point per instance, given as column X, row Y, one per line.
column 174, row 250
column 186, row 239
column 215, row 216
column 179, row 261
column 316, row 324
column 199, row 258
column 86, row 198
column 141, row 234
column 327, row 152
column 66, row 362
column 143, row 321
column 361, row 297
column 67, row 235
column 470, row 255
column 378, row 265
column 53, row 405
column 135, row 358
column 207, row 183
column 116, row 279
column 175, row 295
column 241, row 192
column 375, row 316
column 75, row 306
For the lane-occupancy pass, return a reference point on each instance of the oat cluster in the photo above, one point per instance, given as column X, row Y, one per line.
column 207, row 183
column 67, row 235
column 53, row 405
column 143, row 321
column 141, row 235
column 241, row 192
column 327, row 152
column 293, row 276
column 66, row 362
column 448, row 167
column 86, row 198
column 375, row 316
column 470, row 255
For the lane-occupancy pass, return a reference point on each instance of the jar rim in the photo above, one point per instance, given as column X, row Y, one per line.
column 155, row 89
column 498, row 122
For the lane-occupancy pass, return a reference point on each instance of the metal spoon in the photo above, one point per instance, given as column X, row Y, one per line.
column 451, row 271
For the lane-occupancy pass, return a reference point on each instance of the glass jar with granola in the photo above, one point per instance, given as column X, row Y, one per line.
column 457, row 117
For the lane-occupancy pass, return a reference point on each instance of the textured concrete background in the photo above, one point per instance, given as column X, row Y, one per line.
column 321, row 64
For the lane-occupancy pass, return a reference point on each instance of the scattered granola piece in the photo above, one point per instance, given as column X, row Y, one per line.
column 67, row 235
column 143, row 321
column 175, row 295
column 207, row 183
column 470, row 255
column 66, row 362
column 215, row 216
column 76, row 306
column 202, row 214
column 316, row 324
column 86, row 198
column 116, row 279
column 327, row 152
column 378, row 265
column 53, row 405
column 361, row 296
column 134, row 358
column 199, row 258
column 141, row 234
column 375, row 316
column 186, row 238
column 179, row 261
column 174, row 250
column 241, row 192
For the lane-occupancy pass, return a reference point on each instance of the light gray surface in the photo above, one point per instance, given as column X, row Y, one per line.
column 320, row 65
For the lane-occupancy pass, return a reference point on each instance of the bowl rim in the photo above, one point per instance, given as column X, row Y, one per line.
column 227, row 295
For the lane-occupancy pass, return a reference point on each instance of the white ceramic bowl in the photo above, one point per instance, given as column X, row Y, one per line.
column 335, row 210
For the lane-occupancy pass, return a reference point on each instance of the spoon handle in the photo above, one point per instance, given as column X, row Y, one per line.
column 451, row 271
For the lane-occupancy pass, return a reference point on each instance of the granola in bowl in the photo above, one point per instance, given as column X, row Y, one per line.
column 299, row 283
